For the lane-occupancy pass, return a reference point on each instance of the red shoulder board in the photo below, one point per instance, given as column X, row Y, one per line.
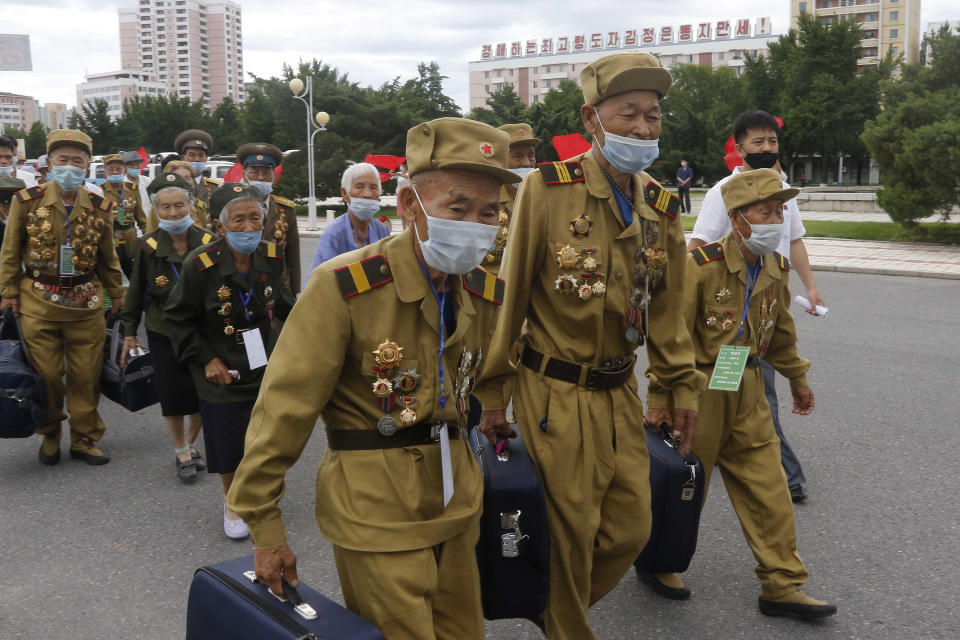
column 782, row 261
column 661, row 199
column 708, row 253
column 483, row 284
column 561, row 172
column 29, row 193
column 208, row 258
column 360, row 277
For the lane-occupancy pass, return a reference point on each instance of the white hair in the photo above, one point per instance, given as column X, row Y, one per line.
column 225, row 213
column 187, row 196
column 354, row 171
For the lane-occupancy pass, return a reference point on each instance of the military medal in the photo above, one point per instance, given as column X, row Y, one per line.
column 387, row 426
column 389, row 354
column 713, row 321
column 585, row 292
column 773, row 305
column 407, row 381
column 652, row 233
column 639, row 299
column 268, row 291
column 223, row 292
column 408, row 416
column 599, row 288
column 162, row 281
column 225, row 309
column 727, row 324
column 228, row 330
column 382, row 387
column 567, row 257
column 632, row 334
column 504, row 217
column 581, row 226
column 566, row 283
column 46, row 227
column 590, row 263
column 723, row 296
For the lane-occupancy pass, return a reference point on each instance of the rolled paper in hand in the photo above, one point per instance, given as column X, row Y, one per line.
column 803, row 302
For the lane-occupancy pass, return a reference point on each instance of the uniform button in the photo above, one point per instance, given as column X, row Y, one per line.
column 619, row 275
column 384, row 269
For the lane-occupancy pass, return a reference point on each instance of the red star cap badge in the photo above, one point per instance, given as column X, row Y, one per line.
column 486, row 149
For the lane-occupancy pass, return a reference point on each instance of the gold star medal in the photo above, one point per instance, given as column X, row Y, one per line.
column 228, row 330
column 567, row 257
column 581, row 226
column 382, row 387
column 162, row 281
column 407, row 381
column 723, row 296
column 389, row 354
column 504, row 216
column 223, row 292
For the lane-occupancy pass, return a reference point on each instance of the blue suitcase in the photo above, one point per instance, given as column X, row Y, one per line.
column 513, row 553
column 676, row 496
column 23, row 392
column 226, row 602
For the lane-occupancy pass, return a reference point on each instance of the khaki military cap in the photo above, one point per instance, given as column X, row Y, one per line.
column 231, row 191
column 620, row 72
column 193, row 139
column 748, row 187
column 259, row 154
column 69, row 138
column 520, row 133
column 113, row 157
column 165, row 180
column 458, row 143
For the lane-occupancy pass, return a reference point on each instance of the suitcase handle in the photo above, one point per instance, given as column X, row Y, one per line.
column 290, row 593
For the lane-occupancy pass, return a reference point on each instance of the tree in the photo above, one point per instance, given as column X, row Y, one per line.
column 557, row 115
column 505, row 107
column 97, row 124
column 36, row 140
column 916, row 138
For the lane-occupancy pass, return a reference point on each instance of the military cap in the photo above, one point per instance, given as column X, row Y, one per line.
column 165, row 180
column 129, row 157
column 113, row 157
column 9, row 183
column 231, row 191
column 69, row 138
column 178, row 164
column 620, row 72
column 193, row 139
column 42, row 162
column 259, row 154
column 520, row 133
column 748, row 187
column 458, row 143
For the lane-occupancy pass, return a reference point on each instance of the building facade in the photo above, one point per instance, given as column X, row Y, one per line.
column 54, row 115
column 193, row 47
column 116, row 87
column 888, row 25
column 18, row 111
column 534, row 67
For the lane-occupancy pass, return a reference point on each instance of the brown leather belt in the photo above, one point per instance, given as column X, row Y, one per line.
column 608, row 375
column 64, row 282
column 419, row 434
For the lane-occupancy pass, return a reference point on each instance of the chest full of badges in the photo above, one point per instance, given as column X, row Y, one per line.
column 68, row 285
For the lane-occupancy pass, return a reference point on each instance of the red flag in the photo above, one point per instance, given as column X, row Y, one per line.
column 146, row 158
column 730, row 155
column 390, row 163
column 235, row 174
column 570, row 145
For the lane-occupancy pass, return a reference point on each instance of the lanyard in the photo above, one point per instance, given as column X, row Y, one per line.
column 441, row 299
column 245, row 300
column 176, row 272
column 66, row 219
column 753, row 272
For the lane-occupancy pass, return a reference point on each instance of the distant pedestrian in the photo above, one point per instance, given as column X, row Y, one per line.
column 684, row 179
column 803, row 179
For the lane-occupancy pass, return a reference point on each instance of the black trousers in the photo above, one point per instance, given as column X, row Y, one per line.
column 684, row 195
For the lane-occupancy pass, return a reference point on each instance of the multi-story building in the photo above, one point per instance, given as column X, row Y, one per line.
column 18, row 111
column 54, row 115
column 933, row 28
column 194, row 47
column 533, row 67
column 116, row 87
column 888, row 25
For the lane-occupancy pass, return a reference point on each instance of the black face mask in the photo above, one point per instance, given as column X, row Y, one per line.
column 764, row 160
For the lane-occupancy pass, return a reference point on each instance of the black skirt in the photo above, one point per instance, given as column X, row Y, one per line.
column 178, row 394
column 224, row 430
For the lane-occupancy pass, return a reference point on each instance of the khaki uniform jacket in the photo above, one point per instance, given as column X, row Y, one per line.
column 281, row 227
column 204, row 314
column 36, row 229
column 128, row 210
column 155, row 272
column 324, row 364
column 714, row 301
column 588, row 331
column 492, row 261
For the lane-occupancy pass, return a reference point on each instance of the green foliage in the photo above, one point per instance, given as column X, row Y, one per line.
column 505, row 108
column 36, row 140
column 96, row 123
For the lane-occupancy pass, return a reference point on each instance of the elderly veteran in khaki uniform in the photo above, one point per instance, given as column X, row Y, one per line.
column 259, row 163
column 737, row 294
column 594, row 264
column 156, row 269
column 521, row 161
column 385, row 344
column 199, row 211
column 125, row 196
column 194, row 146
column 57, row 262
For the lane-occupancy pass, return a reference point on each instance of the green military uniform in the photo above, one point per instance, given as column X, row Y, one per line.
column 204, row 187
column 590, row 288
column 63, row 315
column 199, row 213
column 361, row 350
column 128, row 215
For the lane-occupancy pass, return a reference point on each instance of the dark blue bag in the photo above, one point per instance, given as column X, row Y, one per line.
column 226, row 602
column 23, row 393
column 676, row 496
column 131, row 386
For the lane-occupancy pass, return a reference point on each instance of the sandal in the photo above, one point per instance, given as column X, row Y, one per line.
column 197, row 458
column 186, row 471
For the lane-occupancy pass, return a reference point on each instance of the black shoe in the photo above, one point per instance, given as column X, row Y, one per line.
column 198, row 460
column 797, row 494
column 49, row 459
column 666, row 591
column 186, row 471
column 86, row 449
column 798, row 605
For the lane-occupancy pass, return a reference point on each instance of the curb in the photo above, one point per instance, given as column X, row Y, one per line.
column 886, row 272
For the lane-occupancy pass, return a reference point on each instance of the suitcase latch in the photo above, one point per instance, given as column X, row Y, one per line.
column 303, row 609
column 689, row 488
column 510, row 542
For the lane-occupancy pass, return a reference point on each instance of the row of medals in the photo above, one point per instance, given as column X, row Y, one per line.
column 224, row 294
column 590, row 283
column 724, row 319
column 42, row 243
column 501, row 242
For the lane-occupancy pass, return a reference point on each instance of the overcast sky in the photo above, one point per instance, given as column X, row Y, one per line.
column 371, row 41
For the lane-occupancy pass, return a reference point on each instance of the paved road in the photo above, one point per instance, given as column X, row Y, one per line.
column 108, row 552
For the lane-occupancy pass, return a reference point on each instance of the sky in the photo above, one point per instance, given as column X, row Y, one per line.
column 372, row 42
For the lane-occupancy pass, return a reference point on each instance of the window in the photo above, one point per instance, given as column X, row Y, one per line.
column 894, row 33
column 511, row 72
column 720, row 55
column 486, row 88
column 547, row 70
column 894, row 16
column 536, row 98
column 803, row 7
column 894, row 50
column 486, row 74
column 534, row 84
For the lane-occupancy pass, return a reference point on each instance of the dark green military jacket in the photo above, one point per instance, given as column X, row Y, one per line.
column 156, row 269
column 205, row 315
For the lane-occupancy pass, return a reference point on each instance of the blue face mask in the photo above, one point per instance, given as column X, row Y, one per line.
column 245, row 242
column 68, row 177
column 7, row 171
column 198, row 167
column 363, row 208
column 133, row 173
column 115, row 179
column 263, row 187
column 177, row 227
column 628, row 155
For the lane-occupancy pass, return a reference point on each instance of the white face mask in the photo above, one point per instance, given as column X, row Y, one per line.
column 522, row 171
column 364, row 208
column 629, row 155
column 454, row 246
column 764, row 238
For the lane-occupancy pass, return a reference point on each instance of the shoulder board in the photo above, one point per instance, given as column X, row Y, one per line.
column 211, row 182
column 208, row 258
column 782, row 261
column 100, row 202
column 360, row 277
column 483, row 284
column 708, row 253
column 284, row 202
column 271, row 250
column 661, row 199
column 29, row 193
column 201, row 204
column 206, row 238
column 149, row 244
column 561, row 172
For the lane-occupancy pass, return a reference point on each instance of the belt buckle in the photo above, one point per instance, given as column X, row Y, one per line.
column 64, row 282
column 239, row 335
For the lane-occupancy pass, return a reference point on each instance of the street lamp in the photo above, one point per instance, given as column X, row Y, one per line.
column 322, row 118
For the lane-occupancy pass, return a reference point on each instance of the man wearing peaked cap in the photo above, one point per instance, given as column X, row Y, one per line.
column 384, row 344
column 194, row 146
column 125, row 196
column 594, row 266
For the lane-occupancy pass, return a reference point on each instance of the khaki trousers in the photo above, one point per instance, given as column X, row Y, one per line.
column 425, row 594
column 591, row 451
column 73, row 350
column 736, row 432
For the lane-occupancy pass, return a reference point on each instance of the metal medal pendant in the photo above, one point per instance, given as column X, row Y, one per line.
column 389, row 354
column 382, row 387
column 408, row 417
column 387, row 426
column 632, row 334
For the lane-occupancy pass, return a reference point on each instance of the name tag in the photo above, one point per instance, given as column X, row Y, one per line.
column 66, row 260
column 728, row 370
column 256, row 354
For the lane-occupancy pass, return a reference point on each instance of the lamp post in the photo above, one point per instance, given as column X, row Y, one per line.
column 322, row 118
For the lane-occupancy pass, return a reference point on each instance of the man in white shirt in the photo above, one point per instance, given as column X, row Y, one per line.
column 756, row 134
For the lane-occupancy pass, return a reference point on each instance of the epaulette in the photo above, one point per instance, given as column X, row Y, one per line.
column 208, row 258
column 206, row 238
column 284, row 202
column 360, row 277
column 708, row 253
column 149, row 244
column 29, row 193
column 100, row 202
column 661, row 199
column 271, row 250
column 484, row 284
column 211, row 181
column 561, row 172
column 782, row 261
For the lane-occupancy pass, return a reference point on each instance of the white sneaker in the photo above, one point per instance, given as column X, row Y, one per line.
column 235, row 529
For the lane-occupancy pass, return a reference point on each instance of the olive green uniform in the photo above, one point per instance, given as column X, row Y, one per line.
column 63, row 323
column 129, row 216
column 571, row 269
column 736, row 429
column 281, row 227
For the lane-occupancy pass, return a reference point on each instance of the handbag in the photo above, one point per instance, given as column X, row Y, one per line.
column 23, row 392
column 131, row 386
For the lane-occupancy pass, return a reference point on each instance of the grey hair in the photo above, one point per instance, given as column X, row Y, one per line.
column 189, row 197
column 225, row 213
column 354, row 171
